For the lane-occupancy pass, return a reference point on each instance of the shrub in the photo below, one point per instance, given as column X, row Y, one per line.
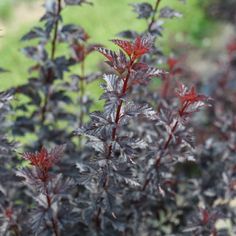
column 131, row 168
column 7, row 183
column 46, row 103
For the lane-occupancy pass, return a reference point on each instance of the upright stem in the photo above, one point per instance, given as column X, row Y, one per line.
column 170, row 135
column 114, row 132
column 54, row 39
column 53, row 50
column 117, row 118
column 53, row 220
column 81, row 98
column 166, row 144
column 118, row 110
column 97, row 220
column 154, row 14
column 181, row 112
column 82, row 91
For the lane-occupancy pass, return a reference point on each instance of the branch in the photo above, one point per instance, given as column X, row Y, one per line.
column 154, row 15
column 53, row 50
column 117, row 118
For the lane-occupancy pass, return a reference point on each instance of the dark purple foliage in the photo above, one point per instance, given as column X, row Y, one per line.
column 157, row 159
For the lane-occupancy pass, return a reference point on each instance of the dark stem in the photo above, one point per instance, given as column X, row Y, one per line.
column 81, row 97
column 114, row 132
column 146, row 184
column 181, row 113
column 154, row 15
column 54, row 39
column 53, row 50
column 170, row 135
column 97, row 220
column 82, row 91
column 166, row 144
column 53, row 220
column 166, row 86
column 118, row 110
column 105, row 188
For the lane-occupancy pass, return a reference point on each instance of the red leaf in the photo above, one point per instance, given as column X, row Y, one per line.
column 205, row 216
column 78, row 52
column 44, row 159
column 189, row 96
column 174, row 65
column 141, row 46
column 172, row 62
column 125, row 45
column 8, row 213
column 136, row 49
column 231, row 47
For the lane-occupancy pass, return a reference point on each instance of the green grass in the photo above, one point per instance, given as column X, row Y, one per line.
column 102, row 22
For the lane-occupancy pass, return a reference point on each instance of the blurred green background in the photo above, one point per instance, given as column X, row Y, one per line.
column 102, row 21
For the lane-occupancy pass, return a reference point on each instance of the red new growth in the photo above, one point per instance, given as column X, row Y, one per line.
column 78, row 52
column 231, row 47
column 44, row 159
column 134, row 50
column 140, row 47
column 40, row 159
column 205, row 216
column 9, row 213
column 125, row 45
column 172, row 63
column 190, row 96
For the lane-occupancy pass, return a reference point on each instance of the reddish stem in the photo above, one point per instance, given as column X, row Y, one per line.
column 97, row 220
column 118, row 110
column 114, row 132
column 181, row 112
column 158, row 159
column 53, row 220
column 170, row 135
